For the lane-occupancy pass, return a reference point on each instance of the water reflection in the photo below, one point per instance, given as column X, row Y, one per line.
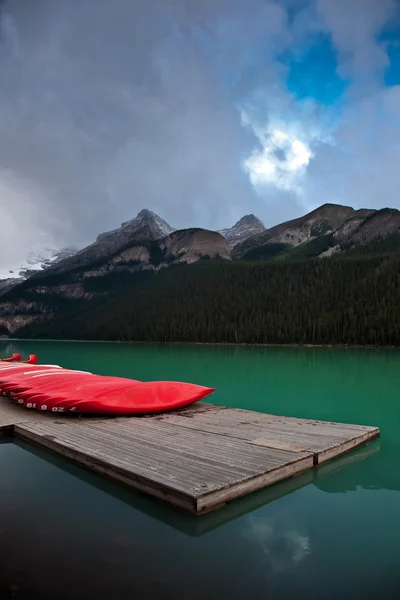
column 200, row 525
column 379, row 472
column 66, row 533
column 330, row 533
column 282, row 545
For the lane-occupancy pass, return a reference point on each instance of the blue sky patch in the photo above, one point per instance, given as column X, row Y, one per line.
column 312, row 73
column 390, row 37
column 392, row 74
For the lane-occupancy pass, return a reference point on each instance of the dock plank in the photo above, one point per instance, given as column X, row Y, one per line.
column 199, row 465
column 11, row 414
column 195, row 459
column 325, row 439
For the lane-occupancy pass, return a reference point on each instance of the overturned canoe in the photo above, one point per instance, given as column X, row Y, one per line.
column 46, row 388
column 40, row 382
column 10, row 377
column 135, row 398
column 14, row 358
column 32, row 360
column 53, row 388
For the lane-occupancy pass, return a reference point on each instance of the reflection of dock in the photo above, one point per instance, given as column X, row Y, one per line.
column 186, row 524
column 197, row 459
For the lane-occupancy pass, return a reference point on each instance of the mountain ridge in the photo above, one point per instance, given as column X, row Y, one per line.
column 131, row 252
column 247, row 239
column 338, row 228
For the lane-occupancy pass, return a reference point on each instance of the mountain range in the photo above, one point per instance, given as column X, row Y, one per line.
column 328, row 230
column 148, row 244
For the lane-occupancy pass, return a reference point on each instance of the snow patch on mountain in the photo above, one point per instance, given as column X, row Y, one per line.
column 35, row 261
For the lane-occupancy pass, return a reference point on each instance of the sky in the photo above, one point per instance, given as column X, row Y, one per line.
column 200, row 110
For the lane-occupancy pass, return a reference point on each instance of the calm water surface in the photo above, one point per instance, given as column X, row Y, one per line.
column 334, row 533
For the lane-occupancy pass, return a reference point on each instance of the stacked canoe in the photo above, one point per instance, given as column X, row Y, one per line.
column 59, row 390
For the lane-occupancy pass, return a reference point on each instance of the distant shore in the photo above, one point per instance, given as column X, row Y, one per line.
column 227, row 344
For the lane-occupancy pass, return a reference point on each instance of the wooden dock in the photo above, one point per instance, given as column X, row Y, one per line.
column 196, row 459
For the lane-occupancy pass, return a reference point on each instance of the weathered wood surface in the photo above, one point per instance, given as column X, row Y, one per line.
column 191, row 469
column 324, row 439
column 196, row 459
column 10, row 414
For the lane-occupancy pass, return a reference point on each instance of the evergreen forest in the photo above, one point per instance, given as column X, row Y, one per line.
column 343, row 300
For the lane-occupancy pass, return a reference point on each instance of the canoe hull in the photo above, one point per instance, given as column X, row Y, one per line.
column 52, row 388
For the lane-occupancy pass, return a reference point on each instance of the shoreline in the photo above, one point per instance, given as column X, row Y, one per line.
column 227, row 344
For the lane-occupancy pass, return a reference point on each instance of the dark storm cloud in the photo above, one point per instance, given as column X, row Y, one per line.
column 111, row 107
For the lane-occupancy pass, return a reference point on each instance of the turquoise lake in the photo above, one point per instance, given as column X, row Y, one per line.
column 332, row 533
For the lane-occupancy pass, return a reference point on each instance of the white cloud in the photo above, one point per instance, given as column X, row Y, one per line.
column 283, row 546
column 281, row 161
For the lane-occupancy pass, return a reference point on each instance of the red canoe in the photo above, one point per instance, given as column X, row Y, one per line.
column 140, row 398
column 15, row 374
column 72, row 392
column 112, row 398
column 48, row 389
column 32, row 360
column 41, row 383
column 26, row 371
column 52, row 388
column 14, row 358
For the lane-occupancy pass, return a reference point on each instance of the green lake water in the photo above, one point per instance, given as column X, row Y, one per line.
column 331, row 533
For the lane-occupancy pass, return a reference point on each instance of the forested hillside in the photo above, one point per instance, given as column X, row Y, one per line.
column 346, row 300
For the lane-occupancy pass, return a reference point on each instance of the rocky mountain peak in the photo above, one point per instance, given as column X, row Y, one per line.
column 151, row 225
column 145, row 218
column 249, row 220
column 145, row 226
column 243, row 229
column 146, row 214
